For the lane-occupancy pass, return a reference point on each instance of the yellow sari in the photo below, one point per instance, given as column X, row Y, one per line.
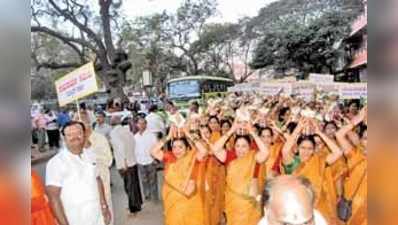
column 266, row 168
column 180, row 209
column 355, row 187
column 241, row 207
column 214, row 187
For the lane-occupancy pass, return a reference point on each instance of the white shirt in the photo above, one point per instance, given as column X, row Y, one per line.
column 102, row 149
column 318, row 219
column 76, row 176
column 103, row 129
column 123, row 144
column 155, row 123
column 144, row 143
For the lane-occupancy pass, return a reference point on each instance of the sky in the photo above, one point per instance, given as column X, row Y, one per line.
column 229, row 10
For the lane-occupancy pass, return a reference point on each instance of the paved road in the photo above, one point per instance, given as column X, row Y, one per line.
column 150, row 215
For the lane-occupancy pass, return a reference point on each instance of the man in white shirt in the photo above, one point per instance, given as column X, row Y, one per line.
column 101, row 126
column 155, row 123
column 145, row 140
column 123, row 145
column 74, row 188
column 290, row 200
column 101, row 151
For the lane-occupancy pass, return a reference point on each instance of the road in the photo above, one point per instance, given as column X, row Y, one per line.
column 151, row 213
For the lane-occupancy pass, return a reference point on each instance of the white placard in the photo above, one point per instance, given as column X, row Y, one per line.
column 77, row 84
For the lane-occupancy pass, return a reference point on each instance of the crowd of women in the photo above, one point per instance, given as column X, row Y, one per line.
column 218, row 158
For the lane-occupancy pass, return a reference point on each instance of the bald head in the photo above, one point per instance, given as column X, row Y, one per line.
column 289, row 199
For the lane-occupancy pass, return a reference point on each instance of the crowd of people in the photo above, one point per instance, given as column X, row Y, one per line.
column 242, row 159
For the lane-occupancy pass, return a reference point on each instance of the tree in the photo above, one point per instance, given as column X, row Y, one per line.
column 185, row 27
column 303, row 34
column 93, row 41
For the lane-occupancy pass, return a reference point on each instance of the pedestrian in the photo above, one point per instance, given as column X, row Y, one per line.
column 63, row 118
column 182, row 200
column 74, row 188
column 123, row 145
column 145, row 140
column 289, row 200
column 155, row 123
column 52, row 130
column 101, row 153
column 101, row 126
column 241, row 195
column 40, row 123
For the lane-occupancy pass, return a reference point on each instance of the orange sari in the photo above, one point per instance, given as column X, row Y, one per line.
column 40, row 211
column 266, row 168
column 355, row 187
column 241, row 206
column 180, row 209
column 214, row 186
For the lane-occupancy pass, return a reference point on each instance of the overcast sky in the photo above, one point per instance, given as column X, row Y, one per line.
column 230, row 10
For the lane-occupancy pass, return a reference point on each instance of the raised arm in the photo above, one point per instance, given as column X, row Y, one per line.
column 202, row 150
column 156, row 151
column 287, row 150
column 263, row 153
column 341, row 134
column 218, row 147
column 332, row 145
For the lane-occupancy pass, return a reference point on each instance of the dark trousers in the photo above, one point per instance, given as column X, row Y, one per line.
column 132, row 188
column 53, row 138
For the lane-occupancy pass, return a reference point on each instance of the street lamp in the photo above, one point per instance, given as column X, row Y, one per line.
column 147, row 81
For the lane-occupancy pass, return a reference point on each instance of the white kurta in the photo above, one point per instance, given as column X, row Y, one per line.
column 76, row 176
column 103, row 158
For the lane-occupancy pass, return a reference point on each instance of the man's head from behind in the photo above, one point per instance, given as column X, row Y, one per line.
column 289, row 200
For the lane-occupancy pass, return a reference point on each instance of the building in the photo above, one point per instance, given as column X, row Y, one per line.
column 357, row 49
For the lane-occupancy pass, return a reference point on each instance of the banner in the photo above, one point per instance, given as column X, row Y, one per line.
column 273, row 88
column 320, row 78
column 353, row 91
column 304, row 90
column 77, row 84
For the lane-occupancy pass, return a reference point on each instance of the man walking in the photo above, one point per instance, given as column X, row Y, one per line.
column 155, row 123
column 40, row 123
column 145, row 140
column 123, row 145
column 75, row 191
column 101, row 126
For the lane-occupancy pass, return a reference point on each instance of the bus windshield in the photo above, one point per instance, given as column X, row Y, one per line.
column 184, row 89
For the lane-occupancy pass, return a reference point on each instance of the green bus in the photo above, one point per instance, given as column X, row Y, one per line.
column 184, row 89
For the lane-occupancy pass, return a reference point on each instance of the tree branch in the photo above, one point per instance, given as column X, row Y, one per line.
column 67, row 40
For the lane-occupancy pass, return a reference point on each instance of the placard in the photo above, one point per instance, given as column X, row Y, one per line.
column 77, row 84
column 353, row 91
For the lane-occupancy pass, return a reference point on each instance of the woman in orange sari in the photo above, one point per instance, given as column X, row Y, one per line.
column 214, row 180
column 355, row 185
column 183, row 204
column 241, row 203
column 313, row 166
column 265, row 170
column 40, row 210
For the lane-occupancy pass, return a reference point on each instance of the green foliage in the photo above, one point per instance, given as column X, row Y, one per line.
column 305, row 35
